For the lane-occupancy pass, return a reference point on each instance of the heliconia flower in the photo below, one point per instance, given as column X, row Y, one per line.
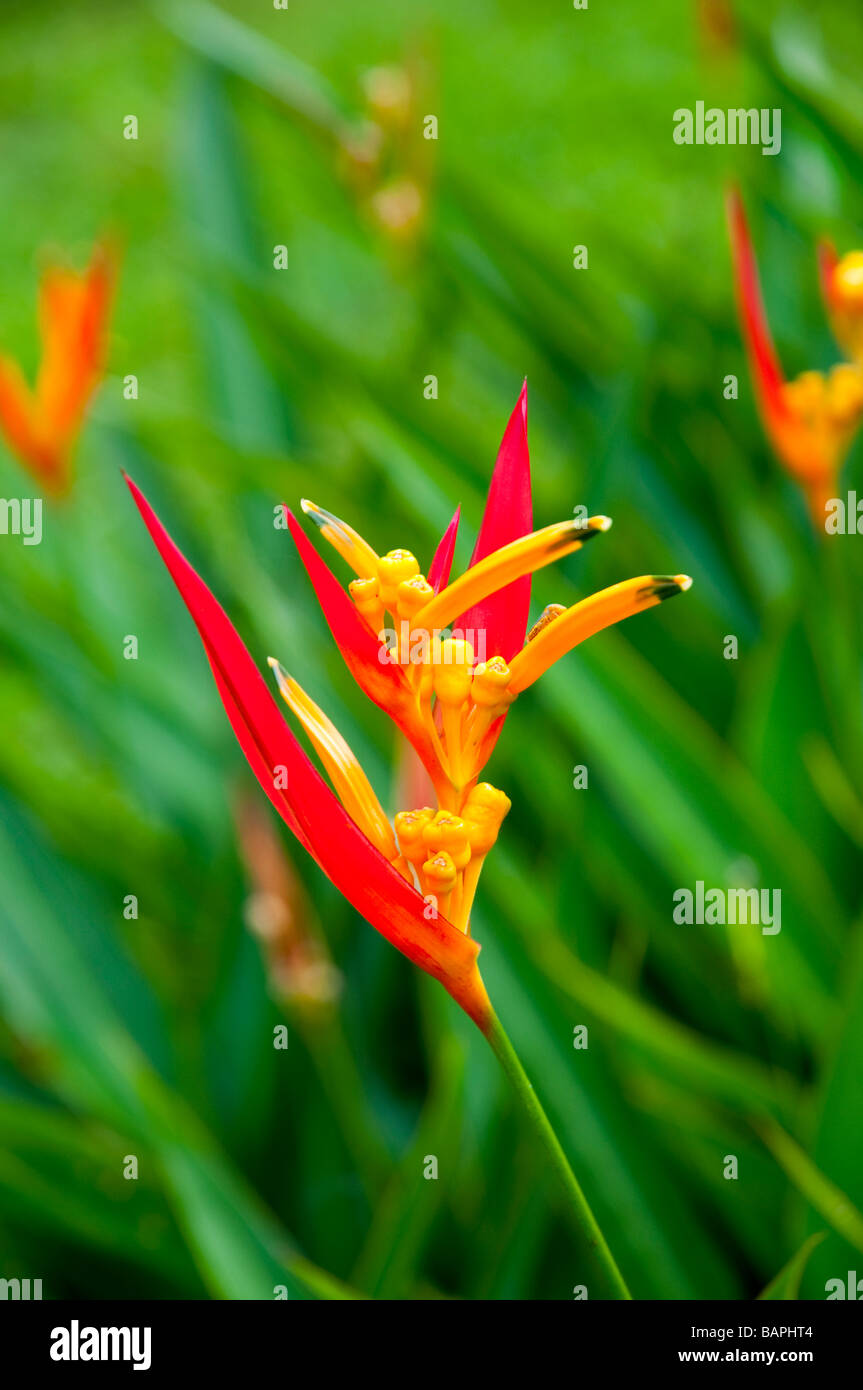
column 298, row 966
column 323, row 826
column 842, row 290
column 810, row 421
column 413, row 879
column 41, row 423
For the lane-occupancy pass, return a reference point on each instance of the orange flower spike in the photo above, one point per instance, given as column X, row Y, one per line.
column 40, row 424
column 810, row 421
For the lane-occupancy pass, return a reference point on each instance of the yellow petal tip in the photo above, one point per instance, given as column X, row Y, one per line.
column 319, row 515
column 663, row 586
column 283, row 680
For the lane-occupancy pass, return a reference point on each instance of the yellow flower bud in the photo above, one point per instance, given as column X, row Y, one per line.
column 393, row 568
column 490, row 681
column 845, row 394
column 366, row 595
column 485, row 797
column 484, row 812
column 452, row 661
column 805, row 395
column 448, row 832
column 440, row 873
column 847, row 283
column 409, row 827
column 389, row 93
column 398, row 209
column 411, row 594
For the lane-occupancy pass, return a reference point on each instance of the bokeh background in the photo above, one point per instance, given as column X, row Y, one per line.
column 153, row 1037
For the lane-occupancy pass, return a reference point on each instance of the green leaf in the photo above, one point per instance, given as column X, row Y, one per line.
column 829, row 1201
column 786, row 1284
column 54, row 1003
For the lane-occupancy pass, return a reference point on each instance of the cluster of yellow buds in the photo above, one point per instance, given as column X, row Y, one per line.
column 446, row 851
column 447, row 696
column 459, row 700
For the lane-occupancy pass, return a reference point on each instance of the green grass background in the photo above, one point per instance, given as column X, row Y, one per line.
column 154, row 1037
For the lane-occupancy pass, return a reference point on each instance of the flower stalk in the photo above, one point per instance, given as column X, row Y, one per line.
column 604, row 1279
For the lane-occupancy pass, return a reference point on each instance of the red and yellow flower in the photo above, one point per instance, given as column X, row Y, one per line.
column 812, row 420
column 40, row 424
column 414, row 879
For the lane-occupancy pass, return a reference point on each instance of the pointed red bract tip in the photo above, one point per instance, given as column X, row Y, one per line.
column 441, row 565
column 766, row 369
column 508, row 515
column 828, row 260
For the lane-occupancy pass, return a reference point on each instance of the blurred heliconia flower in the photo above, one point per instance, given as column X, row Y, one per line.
column 810, row 421
column 717, row 28
column 385, row 156
column 298, row 966
column 414, row 879
column 842, row 289
column 41, row 424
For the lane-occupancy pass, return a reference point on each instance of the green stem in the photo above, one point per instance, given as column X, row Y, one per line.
column 601, row 1259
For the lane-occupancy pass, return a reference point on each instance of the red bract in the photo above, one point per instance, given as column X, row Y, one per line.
column 508, row 516
column 441, row 565
column 767, row 373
